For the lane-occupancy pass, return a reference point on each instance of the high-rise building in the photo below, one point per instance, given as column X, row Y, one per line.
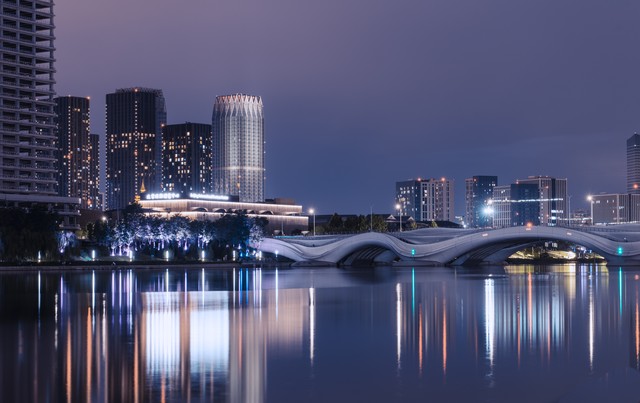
column 238, row 147
column 135, row 117
column 28, row 173
column 553, row 199
column 186, row 153
column 479, row 191
column 426, row 199
column 633, row 164
column 74, row 147
column 437, row 200
column 95, row 197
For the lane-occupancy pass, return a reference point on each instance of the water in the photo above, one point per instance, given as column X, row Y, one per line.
column 526, row 334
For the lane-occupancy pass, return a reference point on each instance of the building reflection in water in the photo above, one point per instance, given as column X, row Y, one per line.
column 213, row 335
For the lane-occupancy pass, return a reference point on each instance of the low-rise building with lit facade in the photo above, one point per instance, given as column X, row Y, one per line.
column 616, row 208
column 283, row 215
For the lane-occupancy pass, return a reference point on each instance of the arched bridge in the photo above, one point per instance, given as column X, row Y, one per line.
column 430, row 246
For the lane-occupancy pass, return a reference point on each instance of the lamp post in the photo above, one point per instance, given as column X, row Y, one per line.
column 399, row 215
column 590, row 199
column 313, row 211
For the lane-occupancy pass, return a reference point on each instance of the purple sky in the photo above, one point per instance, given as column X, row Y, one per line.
column 361, row 93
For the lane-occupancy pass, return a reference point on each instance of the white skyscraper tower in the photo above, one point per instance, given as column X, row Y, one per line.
column 238, row 147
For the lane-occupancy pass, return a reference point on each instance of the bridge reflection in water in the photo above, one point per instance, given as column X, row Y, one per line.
column 258, row 335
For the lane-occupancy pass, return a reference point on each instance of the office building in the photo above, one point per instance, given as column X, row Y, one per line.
column 633, row 164
column 135, row 117
column 426, row 199
column 238, row 147
column 28, row 173
column 74, row 149
column 478, row 193
column 186, row 154
column 552, row 197
column 615, row 208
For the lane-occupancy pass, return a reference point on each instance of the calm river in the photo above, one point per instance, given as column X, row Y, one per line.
column 520, row 333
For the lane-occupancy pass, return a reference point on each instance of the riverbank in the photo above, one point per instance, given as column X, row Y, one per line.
column 121, row 265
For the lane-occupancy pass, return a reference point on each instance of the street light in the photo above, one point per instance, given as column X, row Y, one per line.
column 399, row 215
column 312, row 211
column 590, row 200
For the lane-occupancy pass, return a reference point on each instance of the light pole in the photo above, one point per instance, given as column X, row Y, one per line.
column 399, row 215
column 313, row 211
column 590, row 199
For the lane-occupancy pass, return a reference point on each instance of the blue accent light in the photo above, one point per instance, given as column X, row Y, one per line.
column 619, row 250
column 413, row 252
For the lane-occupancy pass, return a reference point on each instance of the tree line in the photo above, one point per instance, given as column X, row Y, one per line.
column 185, row 238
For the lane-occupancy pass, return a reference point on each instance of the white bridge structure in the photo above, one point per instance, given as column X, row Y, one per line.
column 618, row 245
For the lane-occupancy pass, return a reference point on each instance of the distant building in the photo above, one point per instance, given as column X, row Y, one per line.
column 525, row 204
column 409, row 198
column 501, row 206
column 135, row 117
column 615, row 208
column 28, row 174
column 552, row 197
column 426, row 199
column 74, row 147
column 478, row 193
column 633, row 164
column 238, row 147
column 186, row 153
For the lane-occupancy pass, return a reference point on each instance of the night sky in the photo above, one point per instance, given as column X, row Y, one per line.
column 359, row 94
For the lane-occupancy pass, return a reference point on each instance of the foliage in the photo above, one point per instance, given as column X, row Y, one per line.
column 25, row 235
column 153, row 234
column 352, row 224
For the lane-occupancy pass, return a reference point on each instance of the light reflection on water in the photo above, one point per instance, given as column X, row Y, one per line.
column 520, row 333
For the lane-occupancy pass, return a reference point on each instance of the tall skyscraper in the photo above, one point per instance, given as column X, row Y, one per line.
column 426, row 199
column 28, row 173
column 238, row 147
column 95, row 198
column 135, row 117
column 74, row 147
column 552, row 197
column 479, row 191
column 186, row 153
column 633, row 164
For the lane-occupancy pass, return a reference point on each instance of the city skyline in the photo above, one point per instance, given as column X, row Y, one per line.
column 390, row 92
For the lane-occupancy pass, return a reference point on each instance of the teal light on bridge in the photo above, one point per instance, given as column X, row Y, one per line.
column 619, row 250
column 413, row 252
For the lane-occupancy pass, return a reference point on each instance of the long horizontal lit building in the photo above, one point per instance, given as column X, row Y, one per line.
column 283, row 215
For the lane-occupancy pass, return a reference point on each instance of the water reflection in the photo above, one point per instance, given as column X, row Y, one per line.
column 278, row 335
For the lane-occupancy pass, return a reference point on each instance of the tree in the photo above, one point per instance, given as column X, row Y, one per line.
column 335, row 224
